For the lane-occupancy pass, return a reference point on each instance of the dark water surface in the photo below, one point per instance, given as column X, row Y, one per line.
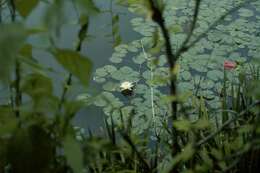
column 98, row 48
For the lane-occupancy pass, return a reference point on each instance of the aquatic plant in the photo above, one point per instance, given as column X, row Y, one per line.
column 179, row 107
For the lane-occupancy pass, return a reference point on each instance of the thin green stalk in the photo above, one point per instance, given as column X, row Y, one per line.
column 112, row 15
column 151, row 90
column 226, row 124
column 68, row 83
column 224, row 98
column 140, row 157
column 171, row 58
column 18, row 93
column 192, row 28
column 17, row 83
column 1, row 12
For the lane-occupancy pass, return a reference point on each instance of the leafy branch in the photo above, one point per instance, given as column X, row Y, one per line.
column 172, row 58
column 68, row 83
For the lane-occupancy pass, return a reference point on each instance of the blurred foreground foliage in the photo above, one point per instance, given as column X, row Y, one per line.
column 36, row 130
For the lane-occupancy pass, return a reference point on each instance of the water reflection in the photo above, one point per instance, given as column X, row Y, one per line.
column 98, row 47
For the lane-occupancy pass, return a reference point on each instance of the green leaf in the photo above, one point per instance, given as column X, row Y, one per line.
column 26, row 51
column 73, row 153
column 37, row 85
column 89, row 6
column 39, row 88
column 75, row 63
column 186, row 75
column 175, row 28
column 72, row 107
column 11, row 40
column 116, row 31
column 110, row 86
column 186, row 154
column 115, row 60
column 8, row 122
column 139, row 59
column 82, row 35
column 245, row 12
column 182, row 125
column 215, row 75
column 25, row 7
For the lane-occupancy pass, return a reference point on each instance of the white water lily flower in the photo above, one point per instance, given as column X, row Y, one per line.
column 126, row 85
column 126, row 88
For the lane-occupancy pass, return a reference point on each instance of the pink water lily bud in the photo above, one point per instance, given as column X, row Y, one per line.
column 229, row 65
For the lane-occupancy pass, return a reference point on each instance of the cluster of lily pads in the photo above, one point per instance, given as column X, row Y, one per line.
column 200, row 70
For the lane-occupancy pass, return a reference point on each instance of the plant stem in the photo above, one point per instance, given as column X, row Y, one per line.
column 139, row 155
column 192, row 28
column 171, row 58
column 112, row 15
column 65, row 90
column 68, row 82
column 151, row 89
column 18, row 94
column 227, row 123
column 1, row 10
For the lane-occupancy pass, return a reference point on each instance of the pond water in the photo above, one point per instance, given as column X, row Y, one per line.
column 98, row 48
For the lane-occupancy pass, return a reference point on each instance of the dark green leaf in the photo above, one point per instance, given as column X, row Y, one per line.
column 75, row 63
column 25, row 7
column 73, row 154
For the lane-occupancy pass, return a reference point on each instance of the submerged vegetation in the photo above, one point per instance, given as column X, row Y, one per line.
column 184, row 97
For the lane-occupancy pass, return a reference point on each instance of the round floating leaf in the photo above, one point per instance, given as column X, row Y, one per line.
column 110, row 86
column 115, row 60
column 146, row 75
column 186, row 75
column 207, row 84
column 162, row 60
column 101, row 72
column 139, row 59
column 110, row 68
column 132, row 48
column 245, row 12
column 137, row 101
column 126, row 69
column 141, row 88
column 99, row 79
column 184, row 86
column 215, row 75
column 199, row 67
column 100, row 101
column 117, row 76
